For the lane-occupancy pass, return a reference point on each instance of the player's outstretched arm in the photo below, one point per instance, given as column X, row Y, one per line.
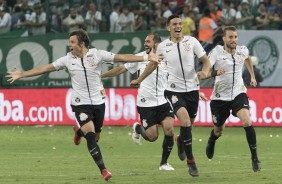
column 148, row 70
column 249, row 65
column 130, row 58
column 211, row 74
column 17, row 74
column 114, row 72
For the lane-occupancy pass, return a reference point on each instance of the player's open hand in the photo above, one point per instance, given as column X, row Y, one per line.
column 14, row 75
column 152, row 56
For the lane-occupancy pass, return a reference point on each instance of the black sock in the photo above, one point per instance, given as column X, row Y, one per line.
column 167, row 147
column 212, row 137
column 94, row 150
column 251, row 138
column 141, row 130
column 186, row 137
column 80, row 133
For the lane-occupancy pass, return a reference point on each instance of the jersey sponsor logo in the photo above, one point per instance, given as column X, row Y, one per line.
column 83, row 116
column 143, row 100
column 174, row 99
column 172, row 85
column 266, row 50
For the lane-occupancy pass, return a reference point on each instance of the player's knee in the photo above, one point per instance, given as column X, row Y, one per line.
column 218, row 133
column 168, row 131
column 152, row 137
column 246, row 122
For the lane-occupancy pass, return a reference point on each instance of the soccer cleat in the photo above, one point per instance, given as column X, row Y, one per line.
column 256, row 165
column 210, row 149
column 76, row 139
column 192, row 169
column 166, row 167
column 180, row 149
column 106, row 174
column 135, row 136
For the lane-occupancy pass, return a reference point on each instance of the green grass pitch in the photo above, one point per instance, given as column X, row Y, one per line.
column 47, row 155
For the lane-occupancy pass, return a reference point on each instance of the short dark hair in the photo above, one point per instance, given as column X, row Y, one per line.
column 82, row 36
column 228, row 28
column 171, row 17
column 157, row 38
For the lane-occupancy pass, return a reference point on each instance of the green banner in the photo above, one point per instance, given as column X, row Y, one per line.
column 28, row 52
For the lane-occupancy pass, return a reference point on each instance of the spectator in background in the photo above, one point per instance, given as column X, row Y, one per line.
column 247, row 77
column 38, row 21
column 228, row 13
column 73, row 21
column 262, row 20
column 93, row 19
column 26, row 9
column 114, row 18
column 125, row 20
column 244, row 17
column 166, row 12
column 215, row 15
column 275, row 12
column 207, row 28
column 139, row 23
column 5, row 21
column 189, row 27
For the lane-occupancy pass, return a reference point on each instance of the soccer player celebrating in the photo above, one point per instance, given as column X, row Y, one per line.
column 229, row 92
column 182, row 89
column 88, row 95
column 152, row 106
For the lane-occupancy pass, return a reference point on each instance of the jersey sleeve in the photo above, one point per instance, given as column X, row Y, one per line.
column 133, row 67
column 245, row 52
column 60, row 63
column 105, row 56
column 212, row 56
column 198, row 48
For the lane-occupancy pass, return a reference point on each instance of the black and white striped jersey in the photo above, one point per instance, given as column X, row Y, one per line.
column 179, row 58
column 151, row 90
column 85, row 73
column 230, row 84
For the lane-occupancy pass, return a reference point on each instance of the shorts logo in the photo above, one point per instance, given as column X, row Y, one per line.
column 144, row 123
column 172, row 85
column 266, row 50
column 83, row 116
column 174, row 99
column 214, row 119
column 143, row 100
column 77, row 100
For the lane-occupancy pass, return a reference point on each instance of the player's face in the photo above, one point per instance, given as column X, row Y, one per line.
column 175, row 28
column 75, row 48
column 149, row 43
column 230, row 39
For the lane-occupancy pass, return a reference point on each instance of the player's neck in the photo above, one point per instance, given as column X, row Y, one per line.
column 176, row 39
column 229, row 50
column 83, row 52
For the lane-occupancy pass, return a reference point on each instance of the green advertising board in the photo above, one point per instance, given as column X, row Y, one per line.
column 28, row 52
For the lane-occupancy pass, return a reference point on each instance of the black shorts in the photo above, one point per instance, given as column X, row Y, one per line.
column 221, row 109
column 188, row 100
column 85, row 113
column 150, row 116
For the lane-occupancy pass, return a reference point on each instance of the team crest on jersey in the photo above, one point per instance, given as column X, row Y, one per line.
column 83, row 116
column 77, row 100
column 144, row 123
column 174, row 99
column 143, row 100
column 187, row 46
